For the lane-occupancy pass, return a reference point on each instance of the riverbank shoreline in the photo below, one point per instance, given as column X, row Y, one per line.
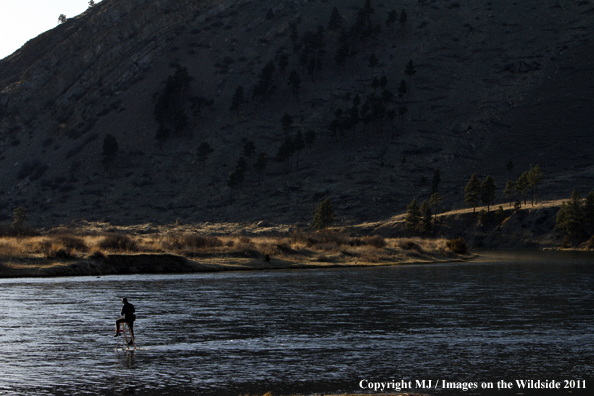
column 131, row 264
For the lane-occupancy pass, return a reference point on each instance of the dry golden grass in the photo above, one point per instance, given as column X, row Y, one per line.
column 297, row 247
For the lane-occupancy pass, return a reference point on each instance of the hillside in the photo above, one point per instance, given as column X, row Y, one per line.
column 494, row 82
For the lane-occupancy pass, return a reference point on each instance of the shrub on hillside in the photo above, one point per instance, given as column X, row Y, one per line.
column 9, row 231
column 406, row 244
column 375, row 241
column 71, row 242
column 118, row 242
column 457, row 245
column 191, row 241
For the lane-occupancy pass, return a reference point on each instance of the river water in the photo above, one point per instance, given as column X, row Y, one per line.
column 306, row 331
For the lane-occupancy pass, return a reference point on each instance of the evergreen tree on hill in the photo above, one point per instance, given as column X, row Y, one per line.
column 472, row 192
column 299, row 144
column 391, row 19
column 249, row 148
column 260, row 165
column 295, row 83
column 237, row 99
column 412, row 219
column 570, row 217
column 203, row 151
column 534, row 179
column 509, row 191
column 410, row 71
column 287, row 123
column 170, row 107
column 265, row 85
column 488, row 189
column 589, row 212
column 283, row 62
column 335, row 22
column 435, row 201
column 426, row 217
column 19, row 216
column 403, row 19
column 509, row 166
column 324, row 215
column 522, row 186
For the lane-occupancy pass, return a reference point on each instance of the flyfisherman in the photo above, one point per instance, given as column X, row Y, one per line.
column 128, row 316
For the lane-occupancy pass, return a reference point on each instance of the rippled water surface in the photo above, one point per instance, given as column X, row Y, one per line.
column 302, row 331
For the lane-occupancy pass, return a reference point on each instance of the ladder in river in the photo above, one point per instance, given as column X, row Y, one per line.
column 128, row 345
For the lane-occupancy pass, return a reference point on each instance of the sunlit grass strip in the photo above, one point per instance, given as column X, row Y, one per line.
column 298, row 246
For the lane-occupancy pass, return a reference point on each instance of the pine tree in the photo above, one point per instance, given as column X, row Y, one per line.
column 391, row 19
column 488, row 189
column 402, row 89
column 342, row 52
column 235, row 178
column 472, row 192
column 335, row 22
column 285, row 153
column 403, row 19
column 435, row 202
column 295, row 83
column 410, row 71
column 162, row 134
column 589, row 211
column 534, row 179
column 269, row 14
column 170, row 106
column 299, row 144
column 287, row 123
column 237, row 99
column 265, row 85
column 570, row 217
column 522, row 186
column 241, row 165
column 19, row 217
column 426, row 217
column 367, row 8
column 204, row 150
column 402, row 112
column 509, row 191
column 283, row 62
column 324, row 215
column 509, row 166
column 260, row 165
column 413, row 216
column 249, row 149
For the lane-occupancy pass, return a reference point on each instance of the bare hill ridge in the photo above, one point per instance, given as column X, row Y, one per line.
column 493, row 82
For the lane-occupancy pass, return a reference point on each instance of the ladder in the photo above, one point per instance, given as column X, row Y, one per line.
column 124, row 328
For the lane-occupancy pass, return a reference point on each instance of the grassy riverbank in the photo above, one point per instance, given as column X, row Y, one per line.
column 102, row 249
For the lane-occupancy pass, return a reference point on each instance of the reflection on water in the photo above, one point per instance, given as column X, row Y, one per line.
column 301, row 331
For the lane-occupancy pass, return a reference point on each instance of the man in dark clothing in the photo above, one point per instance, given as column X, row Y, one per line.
column 128, row 317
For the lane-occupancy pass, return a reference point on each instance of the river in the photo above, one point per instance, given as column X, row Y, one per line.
column 500, row 318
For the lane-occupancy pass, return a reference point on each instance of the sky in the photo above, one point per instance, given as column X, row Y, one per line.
column 22, row 20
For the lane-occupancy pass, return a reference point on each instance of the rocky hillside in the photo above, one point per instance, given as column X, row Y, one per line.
column 493, row 82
